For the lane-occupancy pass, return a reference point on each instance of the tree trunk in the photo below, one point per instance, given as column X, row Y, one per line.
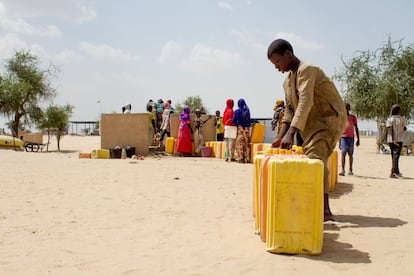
column 15, row 126
column 48, row 139
column 58, row 140
column 381, row 136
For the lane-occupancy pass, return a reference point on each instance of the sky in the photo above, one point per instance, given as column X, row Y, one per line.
column 111, row 53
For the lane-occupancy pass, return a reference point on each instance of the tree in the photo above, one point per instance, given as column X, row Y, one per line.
column 22, row 88
column 372, row 81
column 193, row 102
column 55, row 120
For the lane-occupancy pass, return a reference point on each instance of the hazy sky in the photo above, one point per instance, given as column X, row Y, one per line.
column 129, row 51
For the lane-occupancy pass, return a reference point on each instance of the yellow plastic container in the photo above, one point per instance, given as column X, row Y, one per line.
column 100, row 154
column 263, row 191
column 169, row 145
column 412, row 149
column 333, row 170
column 257, row 135
column 255, row 148
column 219, row 150
column 256, row 184
column 295, row 206
column 213, row 145
column 223, row 149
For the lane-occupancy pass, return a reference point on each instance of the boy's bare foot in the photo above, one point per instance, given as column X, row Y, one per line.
column 328, row 218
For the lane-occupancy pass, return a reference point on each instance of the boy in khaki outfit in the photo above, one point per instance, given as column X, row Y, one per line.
column 314, row 108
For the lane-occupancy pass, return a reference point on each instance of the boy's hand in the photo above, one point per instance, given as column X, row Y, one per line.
column 276, row 143
column 287, row 142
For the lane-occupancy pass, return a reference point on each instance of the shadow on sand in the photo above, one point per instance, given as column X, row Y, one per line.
column 335, row 251
column 369, row 177
column 340, row 252
column 355, row 221
column 341, row 189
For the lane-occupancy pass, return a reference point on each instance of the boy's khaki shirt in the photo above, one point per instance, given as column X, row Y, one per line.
column 313, row 103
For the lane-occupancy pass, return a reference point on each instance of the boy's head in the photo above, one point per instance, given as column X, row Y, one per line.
column 280, row 53
column 217, row 113
column 279, row 46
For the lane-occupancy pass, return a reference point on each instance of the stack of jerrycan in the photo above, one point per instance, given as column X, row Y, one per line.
column 288, row 201
column 260, row 184
column 258, row 148
column 220, row 150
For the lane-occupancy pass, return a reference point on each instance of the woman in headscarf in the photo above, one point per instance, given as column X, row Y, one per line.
column 241, row 119
column 228, row 122
column 184, row 146
column 279, row 109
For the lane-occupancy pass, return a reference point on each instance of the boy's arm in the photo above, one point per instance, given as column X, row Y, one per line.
column 305, row 89
column 287, row 140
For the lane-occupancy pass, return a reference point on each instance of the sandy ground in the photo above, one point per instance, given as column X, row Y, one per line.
column 61, row 215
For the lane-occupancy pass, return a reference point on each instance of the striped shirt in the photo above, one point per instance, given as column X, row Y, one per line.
column 395, row 124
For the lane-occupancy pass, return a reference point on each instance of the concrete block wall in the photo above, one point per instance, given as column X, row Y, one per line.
column 133, row 129
column 125, row 130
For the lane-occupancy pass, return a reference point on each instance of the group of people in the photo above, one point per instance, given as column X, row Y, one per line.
column 312, row 115
column 237, row 139
column 159, row 118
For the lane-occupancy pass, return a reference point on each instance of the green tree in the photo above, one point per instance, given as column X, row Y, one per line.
column 55, row 121
column 193, row 102
column 22, row 88
column 372, row 81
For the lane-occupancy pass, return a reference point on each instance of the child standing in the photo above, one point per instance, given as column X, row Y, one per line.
column 346, row 144
column 395, row 126
column 219, row 126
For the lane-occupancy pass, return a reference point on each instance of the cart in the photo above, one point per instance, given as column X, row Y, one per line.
column 33, row 142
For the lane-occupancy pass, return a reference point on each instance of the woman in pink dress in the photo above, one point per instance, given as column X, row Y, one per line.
column 184, row 146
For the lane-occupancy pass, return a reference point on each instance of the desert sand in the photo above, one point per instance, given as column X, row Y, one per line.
column 166, row 215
